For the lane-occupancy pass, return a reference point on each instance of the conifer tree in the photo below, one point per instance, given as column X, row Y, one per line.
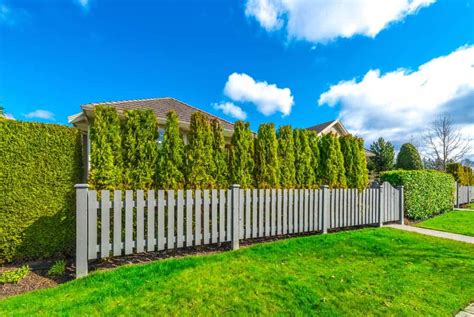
column 266, row 157
column 241, row 164
column 140, row 149
column 408, row 158
column 286, row 157
column 314, row 145
column 220, row 154
column 171, row 155
column 341, row 173
column 105, row 149
column 332, row 162
column 360, row 163
column 303, row 160
column 349, row 149
column 199, row 155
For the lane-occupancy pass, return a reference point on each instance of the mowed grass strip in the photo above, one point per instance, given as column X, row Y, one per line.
column 353, row 273
column 459, row 221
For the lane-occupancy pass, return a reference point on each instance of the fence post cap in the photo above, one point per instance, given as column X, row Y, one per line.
column 400, row 186
column 81, row 186
column 235, row 186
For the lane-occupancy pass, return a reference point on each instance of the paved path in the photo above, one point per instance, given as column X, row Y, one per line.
column 434, row 233
column 466, row 312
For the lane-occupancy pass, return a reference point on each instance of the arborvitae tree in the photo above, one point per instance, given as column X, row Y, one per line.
column 200, row 166
column 105, row 149
column 140, row 149
column 241, row 162
column 349, row 149
column 314, row 145
column 286, row 157
column 303, row 160
column 384, row 155
column 332, row 162
column 171, row 155
column 266, row 157
column 360, row 163
column 408, row 158
column 220, row 154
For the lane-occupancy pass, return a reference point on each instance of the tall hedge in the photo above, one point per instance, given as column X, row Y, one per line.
column 462, row 174
column 106, row 165
column 316, row 157
column 360, row 162
column 220, row 155
column 171, row 156
column 286, row 157
column 266, row 157
column 140, row 149
column 241, row 164
column 305, row 177
column 408, row 158
column 39, row 165
column 332, row 162
column 426, row 192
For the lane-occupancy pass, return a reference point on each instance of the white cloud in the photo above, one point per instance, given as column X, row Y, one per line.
column 402, row 103
column 40, row 114
column 9, row 116
column 83, row 3
column 325, row 20
column 232, row 110
column 267, row 97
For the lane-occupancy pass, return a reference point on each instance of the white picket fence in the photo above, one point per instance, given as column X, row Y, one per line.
column 128, row 222
column 463, row 195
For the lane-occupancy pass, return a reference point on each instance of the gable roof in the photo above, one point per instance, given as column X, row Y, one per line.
column 323, row 127
column 160, row 106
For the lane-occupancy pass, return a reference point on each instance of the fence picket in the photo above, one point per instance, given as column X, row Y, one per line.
column 170, row 217
column 92, row 224
column 189, row 218
column 290, row 211
column 118, row 205
column 161, row 220
column 206, row 216
column 140, row 222
column 254, row 213
column 150, row 218
column 273, row 213
column 215, row 229
column 105, row 224
column 285, row 211
column 279, row 208
column 229, row 215
column 129, row 205
column 197, row 218
column 179, row 220
column 267, row 212
column 222, row 204
column 248, row 227
column 261, row 203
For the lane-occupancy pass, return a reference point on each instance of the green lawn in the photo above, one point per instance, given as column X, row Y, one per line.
column 471, row 206
column 353, row 273
column 461, row 222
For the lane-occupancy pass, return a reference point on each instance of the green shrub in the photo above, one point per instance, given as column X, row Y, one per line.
column 316, row 156
column 349, row 150
column 220, row 155
column 171, row 156
column 360, row 162
column 426, row 192
column 305, row 177
column 332, row 162
column 286, row 157
column 39, row 166
column 462, row 174
column 241, row 164
column 58, row 268
column 408, row 158
column 266, row 157
column 384, row 155
column 140, row 149
column 14, row 276
column 106, row 165
column 200, row 166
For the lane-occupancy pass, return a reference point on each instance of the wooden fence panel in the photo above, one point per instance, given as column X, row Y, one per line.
column 150, row 231
column 105, row 224
column 140, row 233
column 189, row 218
column 129, row 206
column 170, row 216
column 261, row 203
column 222, row 219
column 279, row 210
column 206, row 217
column 215, row 229
column 197, row 217
column 92, row 206
column 179, row 219
column 285, row 211
column 248, row 212
column 254, row 213
column 160, row 238
column 118, row 206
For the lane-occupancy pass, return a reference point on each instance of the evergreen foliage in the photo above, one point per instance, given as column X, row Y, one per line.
column 462, row 174
column 140, row 149
column 105, row 149
column 349, row 149
column 408, row 158
column 305, row 177
column 221, row 155
column 332, row 162
column 241, row 164
column 316, row 157
column 360, row 163
column 384, row 155
column 200, row 166
column 266, row 157
column 171, row 156
column 286, row 157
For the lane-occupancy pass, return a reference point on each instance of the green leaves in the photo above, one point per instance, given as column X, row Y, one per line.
column 384, row 155
column 220, row 155
column 241, row 163
column 266, row 157
column 286, row 157
column 355, row 164
column 305, row 177
column 332, row 162
column 408, row 158
column 462, row 174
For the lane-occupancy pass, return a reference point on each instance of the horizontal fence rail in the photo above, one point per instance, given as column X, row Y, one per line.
column 114, row 223
column 463, row 195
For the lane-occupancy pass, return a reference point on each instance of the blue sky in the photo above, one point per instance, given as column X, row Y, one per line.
column 384, row 70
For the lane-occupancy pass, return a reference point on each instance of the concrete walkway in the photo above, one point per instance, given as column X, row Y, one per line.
column 435, row 233
column 466, row 312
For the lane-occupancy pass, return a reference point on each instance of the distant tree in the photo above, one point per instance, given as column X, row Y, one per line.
column 241, row 163
column 305, row 177
column 332, row 162
column 266, row 157
column 140, row 149
column 286, row 156
column 199, row 155
column 106, row 164
column 445, row 143
column 408, row 158
column 220, row 155
column 316, row 157
column 171, row 155
column 384, row 155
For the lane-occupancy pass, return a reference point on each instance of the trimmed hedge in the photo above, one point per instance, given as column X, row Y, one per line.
column 427, row 193
column 39, row 165
column 462, row 174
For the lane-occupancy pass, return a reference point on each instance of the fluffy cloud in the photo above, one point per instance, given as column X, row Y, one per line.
column 324, row 20
column 12, row 16
column 402, row 103
column 40, row 114
column 232, row 110
column 268, row 98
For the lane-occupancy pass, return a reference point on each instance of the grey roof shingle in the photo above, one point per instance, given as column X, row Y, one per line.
column 320, row 127
column 161, row 106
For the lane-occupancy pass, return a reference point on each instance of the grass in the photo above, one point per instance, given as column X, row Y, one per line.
column 458, row 221
column 470, row 206
column 357, row 273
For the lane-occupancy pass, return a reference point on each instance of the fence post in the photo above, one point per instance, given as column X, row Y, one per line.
column 401, row 204
column 457, row 195
column 81, row 230
column 235, row 216
column 325, row 206
column 381, row 204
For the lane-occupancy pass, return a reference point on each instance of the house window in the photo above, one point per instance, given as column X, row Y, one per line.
column 161, row 134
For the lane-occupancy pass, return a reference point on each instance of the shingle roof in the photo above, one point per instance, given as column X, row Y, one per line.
column 161, row 106
column 320, row 127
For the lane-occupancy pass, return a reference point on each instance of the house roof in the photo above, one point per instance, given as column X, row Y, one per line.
column 326, row 126
column 322, row 126
column 160, row 106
